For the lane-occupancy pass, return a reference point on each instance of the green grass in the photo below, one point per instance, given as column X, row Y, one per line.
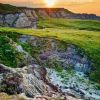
column 71, row 24
column 7, row 52
column 84, row 34
column 6, row 8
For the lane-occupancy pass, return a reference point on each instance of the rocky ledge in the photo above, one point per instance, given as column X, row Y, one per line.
column 28, row 82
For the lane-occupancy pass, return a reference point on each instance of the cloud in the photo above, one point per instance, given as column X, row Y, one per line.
column 79, row 1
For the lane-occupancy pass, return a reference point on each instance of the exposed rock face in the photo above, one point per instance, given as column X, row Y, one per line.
column 10, row 19
column 54, row 55
column 9, row 80
column 31, row 14
column 18, row 20
column 43, row 14
column 26, row 81
column 32, row 86
column 35, row 13
column 83, row 16
column 11, row 83
column 75, row 84
column 23, row 21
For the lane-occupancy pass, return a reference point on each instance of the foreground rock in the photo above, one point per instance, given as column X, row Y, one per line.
column 29, row 82
column 74, row 84
column 25, row 81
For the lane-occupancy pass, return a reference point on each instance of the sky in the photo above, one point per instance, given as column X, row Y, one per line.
column 78, row 6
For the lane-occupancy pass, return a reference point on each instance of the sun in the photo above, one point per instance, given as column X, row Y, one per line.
column 49, row 3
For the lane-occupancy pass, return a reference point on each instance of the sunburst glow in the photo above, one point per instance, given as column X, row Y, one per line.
column 49, row 3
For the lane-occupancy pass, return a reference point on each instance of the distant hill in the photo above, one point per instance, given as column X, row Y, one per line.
column 7, row 8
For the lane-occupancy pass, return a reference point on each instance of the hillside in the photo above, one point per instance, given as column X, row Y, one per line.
column 7, row 8
column 55, row 36
column 84, row 35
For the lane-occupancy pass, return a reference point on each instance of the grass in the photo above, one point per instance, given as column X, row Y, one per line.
column 91, row 25
column 84, row 34
column 6, row 8
column 9, row 56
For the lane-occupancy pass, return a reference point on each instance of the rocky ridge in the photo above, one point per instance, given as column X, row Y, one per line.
column 28, row 17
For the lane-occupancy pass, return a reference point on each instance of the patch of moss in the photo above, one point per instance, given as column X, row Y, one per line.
column 53, row 63
column 9, row 56
column 7, row 52
column 13, row 35
column 98, row 86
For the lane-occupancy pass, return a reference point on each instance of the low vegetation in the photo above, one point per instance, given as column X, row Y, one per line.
column 6, row 8
column 90, row 25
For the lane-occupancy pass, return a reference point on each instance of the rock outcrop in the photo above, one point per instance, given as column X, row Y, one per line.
column 52, row 53
column 83, row 16
column 56, row 13
column 25, row 80
column 18, row 20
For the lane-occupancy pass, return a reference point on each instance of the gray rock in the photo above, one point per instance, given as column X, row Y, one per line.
column 43, row 14
column 53, row 14
column 33, row 86
column 68, row 57
column 34, row 14
column 10, row 19
column 23, row 21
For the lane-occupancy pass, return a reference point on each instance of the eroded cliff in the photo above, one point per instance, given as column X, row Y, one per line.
column 11, row 16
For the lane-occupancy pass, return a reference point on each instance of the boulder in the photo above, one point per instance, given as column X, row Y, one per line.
column 29, row 13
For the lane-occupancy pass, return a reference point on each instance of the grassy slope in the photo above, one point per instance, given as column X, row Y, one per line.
column 6, row 8
column 85, row 34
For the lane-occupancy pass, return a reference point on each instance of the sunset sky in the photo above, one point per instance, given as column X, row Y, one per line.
column 80, row 6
